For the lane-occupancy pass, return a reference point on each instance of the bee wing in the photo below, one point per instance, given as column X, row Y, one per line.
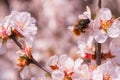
column 86, row 14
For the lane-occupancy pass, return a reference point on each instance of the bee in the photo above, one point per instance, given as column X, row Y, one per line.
column 80, row 26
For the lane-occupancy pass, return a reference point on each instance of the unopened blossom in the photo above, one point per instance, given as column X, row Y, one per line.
column 105, row 26
column 24, row 56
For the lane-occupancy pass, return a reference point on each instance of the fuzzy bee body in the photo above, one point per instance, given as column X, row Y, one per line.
column 80, row 26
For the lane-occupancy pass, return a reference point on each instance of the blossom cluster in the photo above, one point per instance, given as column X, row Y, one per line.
column 17, row 26
column 65, row 68
column 103, row 29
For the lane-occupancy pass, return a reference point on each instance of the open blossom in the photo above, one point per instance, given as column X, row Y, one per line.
column 106, row 71
column 69, row 70
column 105, row 26
column 20, row 23
column 114, row 48
column 86, row 45
column 17, row 25
column 56, row 62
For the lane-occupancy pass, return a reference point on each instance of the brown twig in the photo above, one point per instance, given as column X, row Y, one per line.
column 31, row 60
column 99, row 3
column 16, row 41
column 98, row 45
column 36, row 63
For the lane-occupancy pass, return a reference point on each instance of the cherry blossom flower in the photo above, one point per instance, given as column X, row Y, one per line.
column 57, row 75
column 105, row 26
column 31, row 72
column 70, row 69
column 86, row 45
column 106, row 71
column 114, row 48
column 17, row 25
column 56, row 62
column 20, row 23
column 80, row 71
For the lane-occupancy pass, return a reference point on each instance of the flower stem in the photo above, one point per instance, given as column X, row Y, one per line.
column 31, row 60
column 16, row 41
column 36, row 63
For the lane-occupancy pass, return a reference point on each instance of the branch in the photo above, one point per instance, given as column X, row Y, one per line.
column 99, row 3
column 16, row 41
column 98, row 53
column 31, row 60
column 36, row 63
column 98, row 45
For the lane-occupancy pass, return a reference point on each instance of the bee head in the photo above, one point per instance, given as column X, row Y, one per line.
column 84, row 23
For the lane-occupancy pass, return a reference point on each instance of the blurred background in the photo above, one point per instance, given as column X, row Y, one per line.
column 53, row 18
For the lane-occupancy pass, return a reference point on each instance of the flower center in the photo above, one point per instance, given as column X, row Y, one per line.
column 20, row 25
column 105, row 24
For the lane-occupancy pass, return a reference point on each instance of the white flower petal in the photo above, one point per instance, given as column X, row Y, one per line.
column 78, row 62
column 116, row 60
column 95, row 24
column 57, row 75
column 90, row 41
column 104, row 14
column 97, row 75
column 87, row 13
column 52, row 60
column 115, row 46
column 25, row 73
column 81, row 46
column 105, row 46
column 62, row 59
column 24, row 17
column 100, row 36
column 115, row 50
column 114, row 30
column 69, row 64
